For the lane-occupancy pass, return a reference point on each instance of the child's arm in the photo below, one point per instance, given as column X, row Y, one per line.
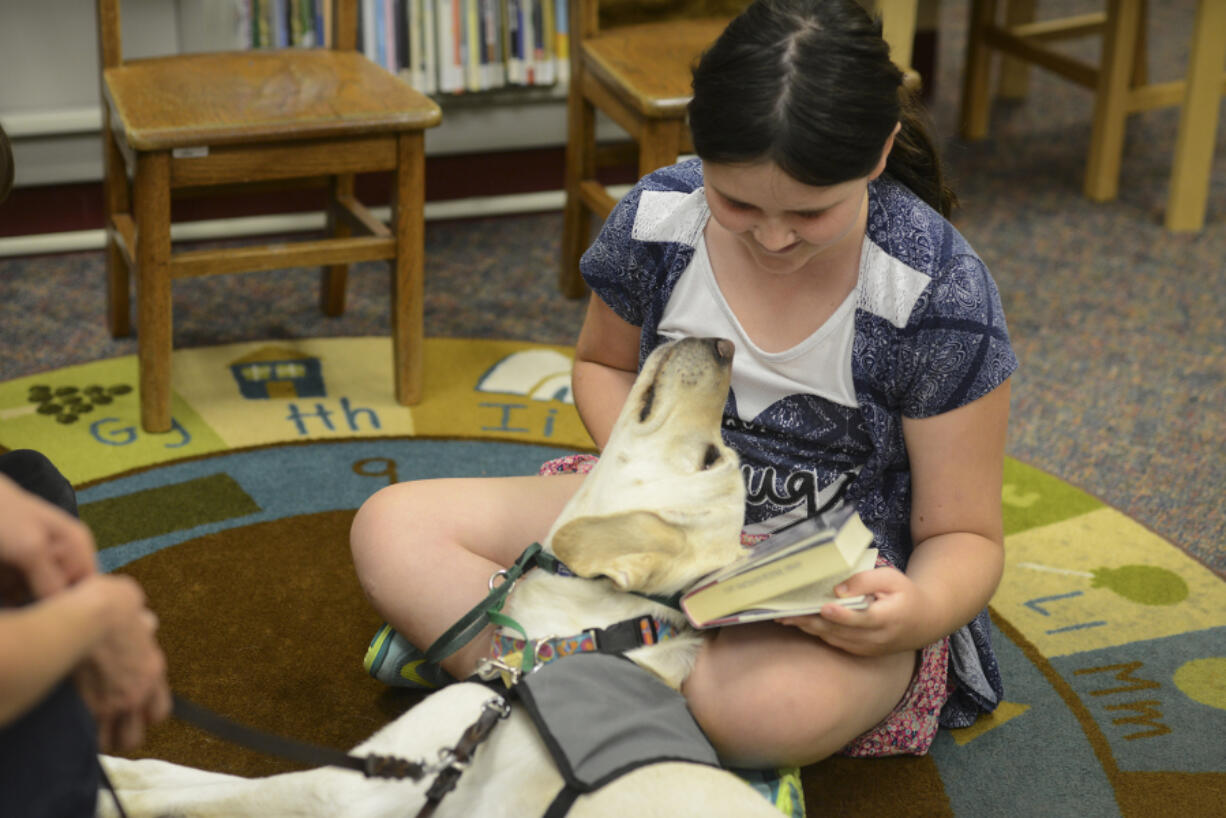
column 606, row 361
column 956, row 462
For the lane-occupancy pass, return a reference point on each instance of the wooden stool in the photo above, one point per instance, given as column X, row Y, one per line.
column 1120, row 86
column 198, row 121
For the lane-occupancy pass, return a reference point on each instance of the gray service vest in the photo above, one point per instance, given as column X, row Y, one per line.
column 602, row 716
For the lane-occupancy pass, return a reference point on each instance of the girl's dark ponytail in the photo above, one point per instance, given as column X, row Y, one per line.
column 915, row 160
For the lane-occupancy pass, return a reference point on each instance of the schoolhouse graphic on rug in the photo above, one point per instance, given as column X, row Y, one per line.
column 278, row 372
column 540, row 374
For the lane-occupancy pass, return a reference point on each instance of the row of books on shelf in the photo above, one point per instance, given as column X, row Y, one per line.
column 440, row 46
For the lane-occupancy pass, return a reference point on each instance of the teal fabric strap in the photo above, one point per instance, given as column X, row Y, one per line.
column 469, row 625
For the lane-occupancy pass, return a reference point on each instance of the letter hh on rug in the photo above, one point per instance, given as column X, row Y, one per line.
column 661, row 508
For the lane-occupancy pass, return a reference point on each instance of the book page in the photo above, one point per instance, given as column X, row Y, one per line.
column 818, row 593
column 786, row 541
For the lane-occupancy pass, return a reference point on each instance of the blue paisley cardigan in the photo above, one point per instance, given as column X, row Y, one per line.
column 929, row 336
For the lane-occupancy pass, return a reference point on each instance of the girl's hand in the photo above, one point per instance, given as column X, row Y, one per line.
column 894, row 621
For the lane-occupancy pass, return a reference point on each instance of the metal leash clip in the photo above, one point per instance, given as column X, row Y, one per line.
column 490, row 669
column 494, row 579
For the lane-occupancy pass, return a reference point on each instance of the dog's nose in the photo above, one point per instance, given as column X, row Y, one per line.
column 724, row 348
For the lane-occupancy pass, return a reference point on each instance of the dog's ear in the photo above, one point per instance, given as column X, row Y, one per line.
column 627, row 547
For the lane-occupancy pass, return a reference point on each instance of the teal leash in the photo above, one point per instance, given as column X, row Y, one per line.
column 473, row 622
column 488, row 610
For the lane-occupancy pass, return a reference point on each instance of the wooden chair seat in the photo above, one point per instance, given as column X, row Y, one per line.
column 200, row 122
column 259, row 96
column 647, row 66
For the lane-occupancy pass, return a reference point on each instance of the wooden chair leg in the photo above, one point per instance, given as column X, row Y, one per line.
column 116, row 200
column 1189, row 191
column 408, row 268
column 659, row 145
column 151, row 197
column 335, row 276
column 580, row 165
column 976, row 85
column 898, row 29
column 1140, row 57
column 1014, row 79
column 1111, row 99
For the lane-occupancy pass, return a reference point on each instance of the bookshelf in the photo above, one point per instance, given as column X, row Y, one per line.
column 49, row 86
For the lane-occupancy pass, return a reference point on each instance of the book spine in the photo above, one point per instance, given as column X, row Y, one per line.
column 400, row 20
column 495, row 65
column 280, row 23
column 380, row 30
column 515, row 42
column 546, row 44
column 367, row 41
column 323, row 25
column 429, row 50
column 472, row 46
column 527, row 35
column 451, row 69
column 412, row 30
column 295, row 22
column 242, row 24
column 562, row 47
column 259, row 23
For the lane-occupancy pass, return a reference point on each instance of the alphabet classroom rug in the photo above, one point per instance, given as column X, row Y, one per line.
column 1112, row 642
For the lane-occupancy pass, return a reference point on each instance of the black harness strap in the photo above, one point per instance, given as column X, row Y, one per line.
column 371, row 766
column 562, row 802
column 461, row 756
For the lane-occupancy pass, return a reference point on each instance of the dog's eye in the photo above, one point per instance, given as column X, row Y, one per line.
column 649, row 397
column 710, row 457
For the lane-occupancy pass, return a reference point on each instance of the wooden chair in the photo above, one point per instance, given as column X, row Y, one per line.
column 638, row 74
column 189, row 122
column 1120, row 85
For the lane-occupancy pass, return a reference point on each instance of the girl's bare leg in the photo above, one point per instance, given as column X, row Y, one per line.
column 424, row 551
column 772, row 696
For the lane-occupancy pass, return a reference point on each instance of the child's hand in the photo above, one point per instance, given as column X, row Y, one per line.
column 896, row 619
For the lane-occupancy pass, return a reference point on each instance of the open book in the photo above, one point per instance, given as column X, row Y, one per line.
column 793, row 572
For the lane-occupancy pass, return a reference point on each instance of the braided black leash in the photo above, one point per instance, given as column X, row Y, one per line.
column 451, row 764
column 372, row 766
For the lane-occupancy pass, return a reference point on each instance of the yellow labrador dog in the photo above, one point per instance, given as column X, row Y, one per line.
column 662, row 507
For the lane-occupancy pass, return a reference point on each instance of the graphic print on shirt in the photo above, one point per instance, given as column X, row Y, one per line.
column 797, row 457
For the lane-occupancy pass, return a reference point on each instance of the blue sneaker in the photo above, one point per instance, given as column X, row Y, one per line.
column 781, row 787
column 393, row 661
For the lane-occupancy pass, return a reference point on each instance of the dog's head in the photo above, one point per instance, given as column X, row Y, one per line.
column 665, row 503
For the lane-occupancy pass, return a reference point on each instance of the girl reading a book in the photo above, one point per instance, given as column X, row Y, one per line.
column 872, row 365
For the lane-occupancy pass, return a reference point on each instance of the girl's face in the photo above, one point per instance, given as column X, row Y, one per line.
column 784, row 224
